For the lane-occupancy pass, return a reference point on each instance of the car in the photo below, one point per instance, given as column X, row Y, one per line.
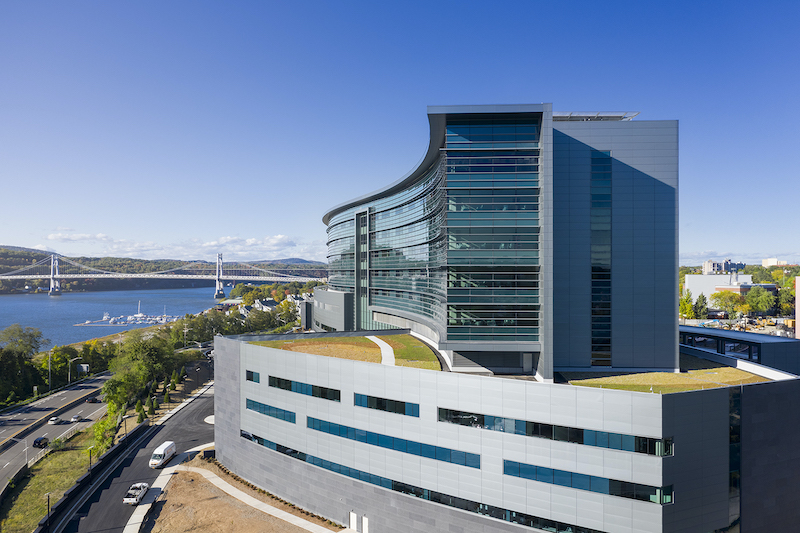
column 54, row 421
column 135, row 493
column 93, row 399
column 41, row 442
column 76, row 418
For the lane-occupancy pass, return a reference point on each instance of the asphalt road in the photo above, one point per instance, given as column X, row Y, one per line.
column 14, row 457
column 105, row 512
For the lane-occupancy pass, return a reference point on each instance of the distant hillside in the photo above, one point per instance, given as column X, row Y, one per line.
column 289, row 261
column 23, row 249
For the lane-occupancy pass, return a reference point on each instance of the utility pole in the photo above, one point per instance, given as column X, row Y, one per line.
column 69, row 368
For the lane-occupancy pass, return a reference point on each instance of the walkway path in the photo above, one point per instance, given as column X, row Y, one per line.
column 387, row 353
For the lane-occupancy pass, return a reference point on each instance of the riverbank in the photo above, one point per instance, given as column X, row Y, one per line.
column 56, row 317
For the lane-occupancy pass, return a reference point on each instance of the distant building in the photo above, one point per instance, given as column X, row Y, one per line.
column 709, row 284
column 727, row 266
column 772, row 261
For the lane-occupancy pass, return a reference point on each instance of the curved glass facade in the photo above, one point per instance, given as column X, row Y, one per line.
column 458, row 247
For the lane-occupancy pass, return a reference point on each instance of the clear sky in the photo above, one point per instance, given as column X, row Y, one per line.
column 181, row 129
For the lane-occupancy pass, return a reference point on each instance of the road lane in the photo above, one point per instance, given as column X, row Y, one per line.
column 105, row 511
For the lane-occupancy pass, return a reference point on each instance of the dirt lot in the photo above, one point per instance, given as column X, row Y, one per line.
column 193, row 504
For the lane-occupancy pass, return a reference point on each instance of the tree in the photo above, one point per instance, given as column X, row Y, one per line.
column 760, row 299
column 786, row 301
column 701, row 307
column 286, row 312
column 26, row 341
column 727, row 301
column 685, row 308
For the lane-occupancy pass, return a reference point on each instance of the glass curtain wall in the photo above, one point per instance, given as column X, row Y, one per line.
column 391, row 252
column 600, row 213
column 493, row 227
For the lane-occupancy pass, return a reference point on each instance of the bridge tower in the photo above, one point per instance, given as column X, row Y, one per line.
column 220, row 290
column 55, row 283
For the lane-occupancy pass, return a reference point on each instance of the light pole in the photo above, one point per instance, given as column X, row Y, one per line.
column 49, row 374
column 48, row 512
column 69, row 368
column 90, row 460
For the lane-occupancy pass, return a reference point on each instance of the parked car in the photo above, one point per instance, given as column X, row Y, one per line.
column 76, row 418
column 54, row 421
column 135, row 493
column 41, row 442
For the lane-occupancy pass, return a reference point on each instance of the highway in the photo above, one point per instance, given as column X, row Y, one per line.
column 12, row 458
column 105, row 511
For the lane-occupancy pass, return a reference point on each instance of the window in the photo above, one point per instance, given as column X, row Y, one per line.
column 444, row 499
column 612, row 487
column 390, row 406
column 304, row 388
column 255, row 377
column 587, row 437
column 438, row 453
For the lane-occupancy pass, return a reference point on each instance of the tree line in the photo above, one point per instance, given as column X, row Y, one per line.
column 757, row 301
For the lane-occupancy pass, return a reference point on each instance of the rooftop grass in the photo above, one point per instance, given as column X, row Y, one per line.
column 354, row 348
column 412, row 352
column 695, row 374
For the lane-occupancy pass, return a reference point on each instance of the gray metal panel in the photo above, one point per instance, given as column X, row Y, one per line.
column 644, row 241
column 698, row 472
column 770, row 465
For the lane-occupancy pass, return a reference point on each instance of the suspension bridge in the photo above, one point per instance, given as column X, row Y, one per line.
column 58, row 268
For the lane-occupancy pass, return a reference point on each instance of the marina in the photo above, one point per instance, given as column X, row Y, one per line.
column 138, row 319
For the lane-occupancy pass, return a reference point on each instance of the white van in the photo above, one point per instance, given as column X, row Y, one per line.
column 163, row 454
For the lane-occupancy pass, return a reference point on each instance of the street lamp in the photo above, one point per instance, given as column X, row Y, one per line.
column 90, row 459
column 69, row 368
column 48, row 512
column 49, row 374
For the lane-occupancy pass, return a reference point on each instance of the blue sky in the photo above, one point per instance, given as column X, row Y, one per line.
column 185, row 128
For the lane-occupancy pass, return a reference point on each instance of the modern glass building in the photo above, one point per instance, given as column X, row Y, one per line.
column 525, row 242
column 498, row 248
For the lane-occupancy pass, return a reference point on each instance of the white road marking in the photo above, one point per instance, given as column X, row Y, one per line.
column 8, row 463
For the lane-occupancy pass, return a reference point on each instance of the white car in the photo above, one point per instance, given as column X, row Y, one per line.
column 135, row 493
column 54, row 421
column 76, row 418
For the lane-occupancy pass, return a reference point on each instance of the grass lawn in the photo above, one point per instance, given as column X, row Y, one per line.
column 26, row 504
column 355, row 348
column 696, row 374
column 410, row 351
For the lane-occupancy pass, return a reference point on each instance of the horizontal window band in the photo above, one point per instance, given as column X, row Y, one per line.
column 274, row 412
column 491, row 511
column 600, row 485
column 600, row 439
column 437, row 453
column 384, row 404
column 316, row 391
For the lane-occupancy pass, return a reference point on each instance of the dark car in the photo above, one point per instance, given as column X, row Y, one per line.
column 41, row 442
column 93, row 399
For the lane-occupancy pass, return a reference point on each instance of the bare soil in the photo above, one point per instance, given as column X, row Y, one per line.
column 191, row 503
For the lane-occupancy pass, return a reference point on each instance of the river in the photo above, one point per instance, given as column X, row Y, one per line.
column 56, row 316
